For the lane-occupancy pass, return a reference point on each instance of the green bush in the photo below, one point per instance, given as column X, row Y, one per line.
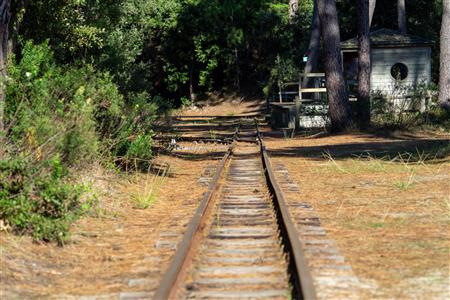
column 74, row 112
column 437, row 116
column 59, row 118
column 133, row 139
column 38, row 200
column 419, row 107
column 52, row 110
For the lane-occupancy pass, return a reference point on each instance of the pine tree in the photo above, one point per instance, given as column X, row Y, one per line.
column 339, row 106
column 372, row 5
column 364, row 64
column 293, row 7
column 401, row 12
column 4, row 31
column 444, row 77
column 314, row 46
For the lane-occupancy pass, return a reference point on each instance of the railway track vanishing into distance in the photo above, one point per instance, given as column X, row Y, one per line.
column 241, row 241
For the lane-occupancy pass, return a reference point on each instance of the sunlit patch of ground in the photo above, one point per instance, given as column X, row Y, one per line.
column 386, row 201
column 225, row 106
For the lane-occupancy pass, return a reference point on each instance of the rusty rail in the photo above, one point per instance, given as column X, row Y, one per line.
column 301, row 275
column 166, row 287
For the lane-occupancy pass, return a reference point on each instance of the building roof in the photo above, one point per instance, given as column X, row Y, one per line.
column 388, row 38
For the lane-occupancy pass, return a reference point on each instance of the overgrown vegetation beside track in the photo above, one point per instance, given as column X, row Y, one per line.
column 38, row 199
column 86, row 80
column 58, row 118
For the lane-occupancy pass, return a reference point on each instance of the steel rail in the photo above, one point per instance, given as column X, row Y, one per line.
column 303, row 281
column 172, row 275
column 300, row 274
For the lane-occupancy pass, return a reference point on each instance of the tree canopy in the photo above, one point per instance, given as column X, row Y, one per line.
column 163, row 47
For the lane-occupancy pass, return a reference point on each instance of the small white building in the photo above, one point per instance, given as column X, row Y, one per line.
column 397, row 61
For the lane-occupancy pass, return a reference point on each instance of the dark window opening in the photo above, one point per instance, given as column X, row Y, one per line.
column 399, row 71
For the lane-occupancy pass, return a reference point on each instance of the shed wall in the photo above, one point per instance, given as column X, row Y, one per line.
column 418, row 61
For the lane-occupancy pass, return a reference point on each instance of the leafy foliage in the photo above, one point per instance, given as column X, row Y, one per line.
column 38, row 199
column 59, row 117
column 52, row 110
column 421, row 108
column 162, row 47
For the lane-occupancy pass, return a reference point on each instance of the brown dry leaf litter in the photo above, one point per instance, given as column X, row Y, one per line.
column 106, row 252
column 389, row 218
column 225, row 106
column 122, row 249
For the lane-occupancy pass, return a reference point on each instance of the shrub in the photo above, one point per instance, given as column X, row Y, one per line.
column 133, row 139
column 58, row 118
column 407, row 107
column 38, row 200
column 140, row 147
column 52, row 111
column 74, row 112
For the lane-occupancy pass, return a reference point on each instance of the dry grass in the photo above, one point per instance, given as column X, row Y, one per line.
column 388, row 214
column 150, row 185
column 112, row 246
column 119, row 242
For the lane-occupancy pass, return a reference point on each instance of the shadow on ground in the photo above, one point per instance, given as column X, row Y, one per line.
column 412, row 151
column 404, row 146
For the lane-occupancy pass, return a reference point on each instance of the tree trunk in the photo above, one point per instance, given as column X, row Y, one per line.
column 4, row 22
column 444, row 76
column 401, row 11
column 314, row 46
column 364, row 64
column 192, row 94
column 372, row 5
column 339, row 107
column 18, row 10
column 293, row 7
column 237, row 79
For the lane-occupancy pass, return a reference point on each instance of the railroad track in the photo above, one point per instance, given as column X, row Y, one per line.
column 241, row 242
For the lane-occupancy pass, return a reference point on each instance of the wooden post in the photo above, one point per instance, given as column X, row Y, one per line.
column 298, row 101
column 316, row 90
column 279, row 91
column 300, row 87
